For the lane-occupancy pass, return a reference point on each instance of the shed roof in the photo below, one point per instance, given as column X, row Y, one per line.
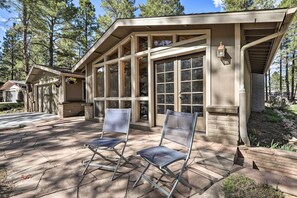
column 255, row 24
column 8, row 84
column 37, row 70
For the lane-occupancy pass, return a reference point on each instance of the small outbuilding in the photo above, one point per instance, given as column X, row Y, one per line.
column 13, row 91
column 212, row 63
column 56, row 90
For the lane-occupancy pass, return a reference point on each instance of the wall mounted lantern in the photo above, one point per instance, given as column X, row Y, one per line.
column 221, row 51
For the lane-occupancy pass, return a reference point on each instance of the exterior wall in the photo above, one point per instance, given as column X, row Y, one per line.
column 74, row 92
column 221, row 79
column 223, row 125
column 258, row 101
column 71, row 109
column 222, row 76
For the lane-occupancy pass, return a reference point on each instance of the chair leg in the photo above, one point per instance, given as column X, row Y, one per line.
column 177, row 180
column 119, row 161
column 140, row 176
column 89, row 163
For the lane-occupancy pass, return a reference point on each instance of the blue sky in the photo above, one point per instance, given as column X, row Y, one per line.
column 191, row 6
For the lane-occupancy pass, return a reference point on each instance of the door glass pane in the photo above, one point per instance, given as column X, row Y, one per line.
column 170, row 77
column 170, row 107
column 113, row 81
column 160, row 67
column 186, row 109
column 185, row 64
column 197, row 98
column 197, row 74
column 198, row 62
column 185, row 87
column 160, row 99
column 160, row 88
column 186, row 75
column 160, row 109
column 160, row 78
column 170, row 88
column 198, row 109
column 169, row 66
column 126, row 104
column 100, row 82
column 186, row 98
column 126, row 49
column 169, row 99
column 197, row 86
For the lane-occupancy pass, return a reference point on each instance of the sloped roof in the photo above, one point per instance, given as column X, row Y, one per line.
column 37, row 70
column 257, row 21
column 7, row 85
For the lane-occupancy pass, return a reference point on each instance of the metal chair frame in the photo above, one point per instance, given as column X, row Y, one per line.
column 116, row 161
column 164, row 169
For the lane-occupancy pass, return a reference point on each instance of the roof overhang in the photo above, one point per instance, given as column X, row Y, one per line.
column 123, row 27
column 37, row 71
column 10, row 83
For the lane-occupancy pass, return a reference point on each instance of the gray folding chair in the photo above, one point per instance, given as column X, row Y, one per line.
column 116, row 121
column 178, row 128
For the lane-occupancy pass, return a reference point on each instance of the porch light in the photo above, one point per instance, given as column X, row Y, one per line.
column 221, row 50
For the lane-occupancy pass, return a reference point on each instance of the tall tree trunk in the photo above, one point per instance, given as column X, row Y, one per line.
column 287, row 75
column 86, row 33
column 269, row 82
column 51, row 44
column 281, row 71
column 25, row 39
column 293, row 77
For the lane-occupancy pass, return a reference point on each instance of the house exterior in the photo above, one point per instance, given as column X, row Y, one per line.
column 56, row 91
column 212, row 63
column 13, row 91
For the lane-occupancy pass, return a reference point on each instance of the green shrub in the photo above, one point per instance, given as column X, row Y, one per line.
column 272, row 116
column 238, row 186
column 10, row 105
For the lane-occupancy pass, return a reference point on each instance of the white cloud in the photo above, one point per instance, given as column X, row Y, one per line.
column 217, row 3
column 2, row 19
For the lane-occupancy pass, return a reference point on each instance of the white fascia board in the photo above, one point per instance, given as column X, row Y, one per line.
column 266, row 16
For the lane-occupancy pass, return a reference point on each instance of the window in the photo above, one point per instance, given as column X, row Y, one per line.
column 143, row 76
column 114, row 104
column 113, row 80
column 84, row 90
column 99, row 108
column 127, row 79
column 142, row 43
column 100, row 82
column 126, row 49
column 113, row 55
column 143, row 108
column 185, row 37
column 159, row 41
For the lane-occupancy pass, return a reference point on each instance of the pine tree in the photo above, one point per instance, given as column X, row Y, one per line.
column 86, row 25
column 114, row 9
column 239, row 5
column 161, row 8
column 11, row 51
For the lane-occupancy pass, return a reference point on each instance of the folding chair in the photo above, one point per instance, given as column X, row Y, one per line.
column 178, row 128
column 116, row 121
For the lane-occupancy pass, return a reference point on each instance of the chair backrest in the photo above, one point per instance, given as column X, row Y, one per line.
column 179, row 127
column 117, row 120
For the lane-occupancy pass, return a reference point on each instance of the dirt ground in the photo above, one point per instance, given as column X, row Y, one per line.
column 271, row 127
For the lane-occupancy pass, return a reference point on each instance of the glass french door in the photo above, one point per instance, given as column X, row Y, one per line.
column 180, row 87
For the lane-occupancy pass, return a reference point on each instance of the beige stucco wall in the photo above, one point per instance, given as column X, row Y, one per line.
column 74, row 92
column 222, row 76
